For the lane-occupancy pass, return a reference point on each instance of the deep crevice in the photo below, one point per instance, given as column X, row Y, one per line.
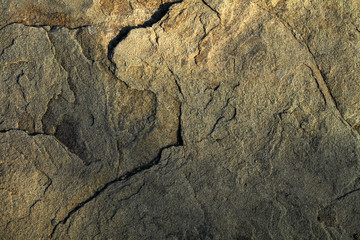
column 124, row 177
column 180, row 141
column 156, row 17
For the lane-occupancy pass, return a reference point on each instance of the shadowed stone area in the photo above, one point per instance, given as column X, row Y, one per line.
column 200, row 119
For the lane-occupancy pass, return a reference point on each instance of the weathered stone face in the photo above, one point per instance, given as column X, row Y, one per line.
column 179, row 119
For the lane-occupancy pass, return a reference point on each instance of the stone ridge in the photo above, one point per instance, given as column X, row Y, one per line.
column 165, row 119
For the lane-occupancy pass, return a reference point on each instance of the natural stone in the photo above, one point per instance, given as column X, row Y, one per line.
column 179, row 119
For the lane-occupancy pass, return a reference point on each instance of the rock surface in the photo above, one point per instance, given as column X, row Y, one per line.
column 203, row 119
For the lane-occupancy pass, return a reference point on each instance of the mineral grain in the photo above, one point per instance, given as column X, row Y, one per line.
column 201, row 119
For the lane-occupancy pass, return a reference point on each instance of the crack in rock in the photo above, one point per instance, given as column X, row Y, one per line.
column 156, row 17
column 124, row 177
column 347, row 194
column 212, row 9
column 43, row 26
column 25, row 131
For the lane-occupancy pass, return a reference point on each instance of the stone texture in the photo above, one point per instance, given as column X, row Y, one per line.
column 179, row 119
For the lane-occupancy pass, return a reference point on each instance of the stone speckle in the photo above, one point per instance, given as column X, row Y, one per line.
column 185, row 119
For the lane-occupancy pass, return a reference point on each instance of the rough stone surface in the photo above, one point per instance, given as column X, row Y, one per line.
column 205, row 119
